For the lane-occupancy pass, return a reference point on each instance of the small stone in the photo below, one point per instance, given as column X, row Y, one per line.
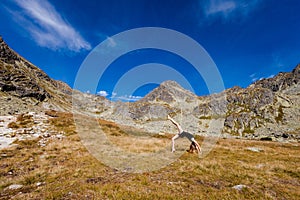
column 59, row 136
column 15, row 186
column 254, row 149
column 259, row 166
column 46, row 135
column 42, row 156
column 239, row 187
column 40, row 184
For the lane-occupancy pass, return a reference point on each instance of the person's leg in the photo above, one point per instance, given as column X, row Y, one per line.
column 197, row 145
column 173, row 142
column 180, row 130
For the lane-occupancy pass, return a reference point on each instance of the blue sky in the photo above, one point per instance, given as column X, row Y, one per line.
column 247, row 40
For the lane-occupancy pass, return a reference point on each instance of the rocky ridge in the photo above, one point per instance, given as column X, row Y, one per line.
column 267, row 109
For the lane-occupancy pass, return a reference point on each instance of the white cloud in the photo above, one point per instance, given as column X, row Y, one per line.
column 47, row 27
column 111, row 42
column 102, row 93
column 113, row 95
column 253, row 77
column 228, row 9
column 127, row 98
column 271, row 76
column 224, row 7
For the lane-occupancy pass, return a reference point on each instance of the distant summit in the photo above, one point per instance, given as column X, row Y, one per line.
column 169, row 91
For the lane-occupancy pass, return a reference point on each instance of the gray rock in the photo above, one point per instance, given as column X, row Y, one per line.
column 239, row 187
column 15, row 186
column 254, row 149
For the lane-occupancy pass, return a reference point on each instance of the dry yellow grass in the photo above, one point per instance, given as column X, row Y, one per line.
column 65, row 170
column 133, row 140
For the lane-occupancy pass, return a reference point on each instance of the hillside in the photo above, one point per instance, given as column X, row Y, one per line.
column 268, row 108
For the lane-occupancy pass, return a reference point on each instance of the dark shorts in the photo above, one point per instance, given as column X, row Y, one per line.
column 188, row 135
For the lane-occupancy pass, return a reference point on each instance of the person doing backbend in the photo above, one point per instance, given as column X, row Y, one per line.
column 182, row 133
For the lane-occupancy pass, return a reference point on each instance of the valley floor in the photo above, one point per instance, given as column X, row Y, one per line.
column 62, row 168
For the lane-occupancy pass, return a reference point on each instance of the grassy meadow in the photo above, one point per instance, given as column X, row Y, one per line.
column 64, row 169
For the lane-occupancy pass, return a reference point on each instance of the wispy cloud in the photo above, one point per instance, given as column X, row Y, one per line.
column 47, row 27
column 126, row 98
column 253, row 77
column 277, row 60
column 223, row 7
column 228, row 9
column 271, row 76
column 111, row 42
column 102, row 93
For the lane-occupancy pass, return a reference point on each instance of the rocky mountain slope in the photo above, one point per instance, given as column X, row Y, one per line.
column 24, row 87
column 267, row 109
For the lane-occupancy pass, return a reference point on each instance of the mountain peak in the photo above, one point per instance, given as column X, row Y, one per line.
column 170, row 83
column 7, row 55
column 296, row 71
column 169, row 91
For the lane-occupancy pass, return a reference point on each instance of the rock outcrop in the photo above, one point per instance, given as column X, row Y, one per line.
column 265, row 107
column 18, row 77
column 23, row 85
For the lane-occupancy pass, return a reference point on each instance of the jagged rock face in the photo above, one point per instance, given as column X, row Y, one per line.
column 6, row 54
column 149, row 111
column 65, row 88
column 14, row 82
column 245, row 109
column 264, row 104
column 281, row 81
column 19, row 79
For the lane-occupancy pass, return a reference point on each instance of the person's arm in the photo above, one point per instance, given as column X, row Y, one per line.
column 176, row 124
